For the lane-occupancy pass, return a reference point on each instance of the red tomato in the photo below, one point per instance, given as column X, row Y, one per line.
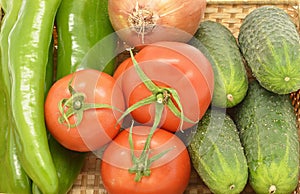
column 121, row 68
column 98, row 125
column 174, row 65
column 168, row 175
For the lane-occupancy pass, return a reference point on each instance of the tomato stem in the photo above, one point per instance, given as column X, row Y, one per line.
column 145, row 79
column 160, row 98
column 141, row 165
column 76, row 105
column 145, row 101
column 160, row 95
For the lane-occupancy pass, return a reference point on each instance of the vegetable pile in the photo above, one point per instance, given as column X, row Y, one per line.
column 152, row 90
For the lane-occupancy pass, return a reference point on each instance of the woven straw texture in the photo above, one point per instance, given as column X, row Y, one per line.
column 231, row 14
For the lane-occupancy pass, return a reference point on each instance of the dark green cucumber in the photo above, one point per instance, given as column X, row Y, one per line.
column 217, row 154
column 269, row 41
column 231, row 82
column 268, row 132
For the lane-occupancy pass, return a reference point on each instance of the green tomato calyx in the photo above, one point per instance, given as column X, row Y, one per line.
column 162, row 95
column 75, row 106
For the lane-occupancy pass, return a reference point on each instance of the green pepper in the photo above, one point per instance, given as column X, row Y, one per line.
column 11, row 8
column 4, row 129
column 29, row 41
column 3, row 5
column 68, row 163
column 49, row 79
column 84, row 37
column 13, row 177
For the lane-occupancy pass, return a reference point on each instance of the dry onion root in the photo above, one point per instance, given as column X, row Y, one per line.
column 147, row 21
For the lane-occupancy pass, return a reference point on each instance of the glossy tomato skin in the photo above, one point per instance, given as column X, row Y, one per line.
column 169, row 174
column 171, row 64
column 98, row 126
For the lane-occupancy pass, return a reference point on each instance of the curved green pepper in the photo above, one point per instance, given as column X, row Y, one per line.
column 49, row 78
column 29, row 42
column 81, row 24
column 12, row 8
column 3, row 4
column 68, row 163
column 13, row 177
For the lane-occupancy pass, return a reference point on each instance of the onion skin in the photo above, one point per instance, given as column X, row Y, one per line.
column 139, row 22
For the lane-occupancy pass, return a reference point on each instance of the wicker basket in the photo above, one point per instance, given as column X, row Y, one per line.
column 230, row 13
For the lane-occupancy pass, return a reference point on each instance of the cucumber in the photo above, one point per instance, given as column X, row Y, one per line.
column 269, row 41
column 217, row 154
column 268, row 132
column 231, row 81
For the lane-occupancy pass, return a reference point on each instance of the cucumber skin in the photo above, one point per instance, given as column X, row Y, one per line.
column 217, row 154
column 268, row 132
column 269, row 41
column 231, row 81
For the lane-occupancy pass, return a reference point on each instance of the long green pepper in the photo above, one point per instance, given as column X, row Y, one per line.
column 68, row 163
column 3, row 5
column 11, row 8
column 85, row 37
column 28, row 45
column 13, row 177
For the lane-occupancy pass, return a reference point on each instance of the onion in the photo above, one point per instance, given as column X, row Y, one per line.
column 147, row 21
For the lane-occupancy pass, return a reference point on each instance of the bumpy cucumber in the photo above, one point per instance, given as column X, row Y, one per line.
column 231, row 82
column 217, row 154
column 269, row 41
column 268, row 132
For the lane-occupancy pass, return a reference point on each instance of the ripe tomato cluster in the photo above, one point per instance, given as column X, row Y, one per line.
column 165, row 88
